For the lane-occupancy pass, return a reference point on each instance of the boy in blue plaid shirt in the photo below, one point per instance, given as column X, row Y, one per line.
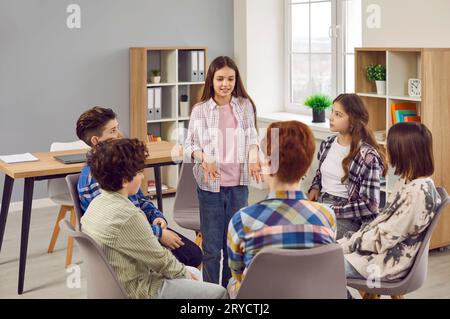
column 99, row 124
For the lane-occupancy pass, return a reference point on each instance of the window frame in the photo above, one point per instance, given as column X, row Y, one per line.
column 338, row 55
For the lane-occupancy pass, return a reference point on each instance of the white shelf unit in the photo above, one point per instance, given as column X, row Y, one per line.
column 173, row 122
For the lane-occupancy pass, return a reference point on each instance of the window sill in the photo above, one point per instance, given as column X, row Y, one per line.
column 320, row 130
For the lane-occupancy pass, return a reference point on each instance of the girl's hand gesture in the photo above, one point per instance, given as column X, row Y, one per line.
column 254, row 164
column 209, row 169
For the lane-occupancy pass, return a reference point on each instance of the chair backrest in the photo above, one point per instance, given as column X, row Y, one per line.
column 186, row 209
column 72, row 182
column 58, row 186
column 418, row 273
column 296, row 273
column 102, row 282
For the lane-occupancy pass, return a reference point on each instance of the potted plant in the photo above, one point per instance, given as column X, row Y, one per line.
column 318, row 103
column 377, row 73
column 156, row 76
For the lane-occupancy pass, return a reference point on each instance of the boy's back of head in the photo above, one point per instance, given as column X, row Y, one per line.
column 117, row 160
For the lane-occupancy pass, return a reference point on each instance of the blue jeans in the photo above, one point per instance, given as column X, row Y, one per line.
column 351, row 272
column 216, row 210
column 344, row 225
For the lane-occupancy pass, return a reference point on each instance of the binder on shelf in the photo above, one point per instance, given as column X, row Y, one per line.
column 194, row 66
column 201, row 66
column 157, row 103
column 150, row 104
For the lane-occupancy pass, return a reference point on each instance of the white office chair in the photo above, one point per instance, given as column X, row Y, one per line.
column 59, row 193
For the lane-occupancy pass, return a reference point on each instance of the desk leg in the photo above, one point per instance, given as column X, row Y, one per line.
column 157, row 170
column 26, row 218
column 6, row 199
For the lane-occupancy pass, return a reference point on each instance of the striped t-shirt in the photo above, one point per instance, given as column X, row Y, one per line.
column 135, row 254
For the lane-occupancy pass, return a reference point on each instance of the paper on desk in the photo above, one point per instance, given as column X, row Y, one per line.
column 17, row 158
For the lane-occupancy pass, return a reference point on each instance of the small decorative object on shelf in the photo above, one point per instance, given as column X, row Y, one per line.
column 380, row 136
column 152, row 186
column 156, row 76
column 318, row 103
column 184, row 105
column 377, row 73
column 414, row 87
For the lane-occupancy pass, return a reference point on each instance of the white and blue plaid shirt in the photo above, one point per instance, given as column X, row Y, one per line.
column 203, row 135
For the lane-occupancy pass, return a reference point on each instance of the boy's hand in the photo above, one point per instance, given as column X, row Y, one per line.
column 314, row 195
column 161, row 222
column 191, row 275
column 170, row 239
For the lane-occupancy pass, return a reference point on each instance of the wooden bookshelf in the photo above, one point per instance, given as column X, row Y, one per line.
column 171, row 63
column 432, row 66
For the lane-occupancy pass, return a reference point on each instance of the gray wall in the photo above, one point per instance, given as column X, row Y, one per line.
column 50, row 74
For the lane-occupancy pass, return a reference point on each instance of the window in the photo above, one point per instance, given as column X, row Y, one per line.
column 320, row 40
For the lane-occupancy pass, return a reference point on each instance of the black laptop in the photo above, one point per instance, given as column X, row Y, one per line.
column 72, row 158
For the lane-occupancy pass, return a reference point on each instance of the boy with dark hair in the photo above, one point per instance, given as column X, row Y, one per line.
column 142, row 265
column 100, row 124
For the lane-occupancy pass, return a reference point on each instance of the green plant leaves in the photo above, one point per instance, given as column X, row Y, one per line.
column 318, row 102
column 376, row 72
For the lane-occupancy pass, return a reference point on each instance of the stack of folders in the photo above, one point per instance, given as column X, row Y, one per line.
column 191, row 66
column 404, row 112
column 154, row 104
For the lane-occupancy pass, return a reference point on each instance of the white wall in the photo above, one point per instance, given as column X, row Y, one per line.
column 409, row 23
column 259, row 50
column 240, row 37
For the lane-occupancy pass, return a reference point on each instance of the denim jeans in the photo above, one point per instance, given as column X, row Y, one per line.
column 344, row 225
column 351, row 272
column 216, row 210
column 191, row 289
column 189, row 254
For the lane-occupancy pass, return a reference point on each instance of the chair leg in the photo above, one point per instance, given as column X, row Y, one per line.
column 371, row 296
column 70, row 240
column 198, row 242
column 397, row 297
column 362, row 293
column 198, row 239
column 61, row 215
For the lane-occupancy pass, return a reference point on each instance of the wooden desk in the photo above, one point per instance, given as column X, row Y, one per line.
column 160, row 154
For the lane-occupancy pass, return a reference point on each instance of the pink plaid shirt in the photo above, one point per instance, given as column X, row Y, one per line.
column 203, row 135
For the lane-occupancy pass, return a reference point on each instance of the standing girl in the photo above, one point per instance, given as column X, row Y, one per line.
column 222, row 140
column 351, row 164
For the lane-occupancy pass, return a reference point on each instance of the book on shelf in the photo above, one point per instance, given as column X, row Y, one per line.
column 412, row 119
column 403, row 108
column 400, row 114
column 151, row 138
column 151, row 186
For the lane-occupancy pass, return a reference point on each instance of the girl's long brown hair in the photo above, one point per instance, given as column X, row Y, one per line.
column 359, row 130
column 239, row 89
